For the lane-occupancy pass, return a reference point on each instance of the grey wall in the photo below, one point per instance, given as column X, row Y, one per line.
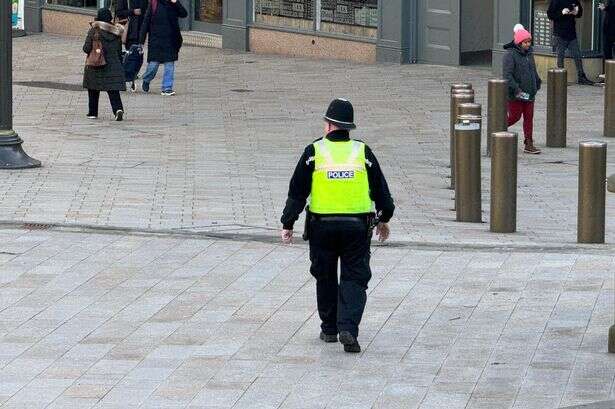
column 394, row 32
column 476, row 25
column 506, row 14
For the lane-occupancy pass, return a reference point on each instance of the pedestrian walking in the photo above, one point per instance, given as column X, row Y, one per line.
column 608, row 28
column 161, row 23
column 104, row 45
column 519, row 69
column 130, row 14
column 564, row 13
column 342, row 178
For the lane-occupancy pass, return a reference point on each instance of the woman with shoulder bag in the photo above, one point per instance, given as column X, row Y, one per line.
column 103, row 70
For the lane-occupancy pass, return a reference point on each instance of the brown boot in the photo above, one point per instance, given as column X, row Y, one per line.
column 530, row 148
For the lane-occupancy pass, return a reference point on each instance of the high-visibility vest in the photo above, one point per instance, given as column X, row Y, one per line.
column 339, row 183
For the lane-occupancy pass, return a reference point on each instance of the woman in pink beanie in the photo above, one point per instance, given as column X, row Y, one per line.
column 519, row 69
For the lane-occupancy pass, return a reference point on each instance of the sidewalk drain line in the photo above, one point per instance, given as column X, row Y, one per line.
column 604, row 249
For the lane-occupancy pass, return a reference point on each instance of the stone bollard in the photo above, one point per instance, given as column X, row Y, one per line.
column 503, row 182
column 468, row 187
column 497, row 115
column 467, row 96
column 592, row 192
column 557, row 107
column 609, row 100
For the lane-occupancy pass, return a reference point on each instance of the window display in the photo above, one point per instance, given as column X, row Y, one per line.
column 89, row 4
column 289, row 13
column 355, row 17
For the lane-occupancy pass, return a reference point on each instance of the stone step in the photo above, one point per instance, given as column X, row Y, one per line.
column 199, row 39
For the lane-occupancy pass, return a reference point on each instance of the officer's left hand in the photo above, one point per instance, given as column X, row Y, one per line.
column 287, row 236
column 383, row 231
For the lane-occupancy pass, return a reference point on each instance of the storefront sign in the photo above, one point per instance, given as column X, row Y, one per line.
column 17, row 13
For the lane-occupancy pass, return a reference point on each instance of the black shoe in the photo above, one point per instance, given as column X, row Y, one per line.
column 350, row 342
column 328, row 337
column 119, row 115
column 585, row 81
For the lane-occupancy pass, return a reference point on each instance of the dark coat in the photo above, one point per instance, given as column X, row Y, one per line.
column 111, row 77
column 165, row 39
column 609, row 19
column 125, row 9
column 564, row 26
column 519, row 69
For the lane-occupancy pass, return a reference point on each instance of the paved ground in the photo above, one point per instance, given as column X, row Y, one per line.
column 218, row 315
column 127, row 321
column 213, row 157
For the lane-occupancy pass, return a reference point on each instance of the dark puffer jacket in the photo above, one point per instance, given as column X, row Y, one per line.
column 165, row 39
column 111, row 77
column 125, row 9
column 564, row 26
column 519, row 69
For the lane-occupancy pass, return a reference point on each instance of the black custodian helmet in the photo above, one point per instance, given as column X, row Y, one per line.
column 341, row 114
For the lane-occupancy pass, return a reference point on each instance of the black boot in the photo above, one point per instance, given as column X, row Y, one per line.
column 328, row 337
column 350, row 342
column 583, row 80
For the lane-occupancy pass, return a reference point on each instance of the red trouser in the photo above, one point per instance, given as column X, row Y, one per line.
column 516, row 109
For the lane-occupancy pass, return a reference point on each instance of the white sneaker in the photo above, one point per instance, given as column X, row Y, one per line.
column 167, row 93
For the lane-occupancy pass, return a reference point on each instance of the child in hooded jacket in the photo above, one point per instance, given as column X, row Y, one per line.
column 519, row 69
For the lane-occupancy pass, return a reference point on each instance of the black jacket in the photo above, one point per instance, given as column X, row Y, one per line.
column 165, row 39
column 519, row 69
column 609, row 19
column 125, row 9
column 111, row 77
column 564, row 26
column 301, row 184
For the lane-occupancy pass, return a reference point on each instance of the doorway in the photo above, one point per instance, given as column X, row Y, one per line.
column 207, row 16
column 477, row 31
column 438, row 32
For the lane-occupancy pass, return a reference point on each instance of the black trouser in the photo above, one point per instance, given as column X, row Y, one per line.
column 609, row 42
column 572, row 46
column 114, row 98
column 340, row 306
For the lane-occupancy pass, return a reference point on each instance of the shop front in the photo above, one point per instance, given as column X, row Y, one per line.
column 533, row 14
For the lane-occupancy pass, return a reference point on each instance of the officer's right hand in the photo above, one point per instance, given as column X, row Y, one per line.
column 383, row 231
column 287, row 236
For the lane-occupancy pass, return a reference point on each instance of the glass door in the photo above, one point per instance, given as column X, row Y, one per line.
column 208, row 16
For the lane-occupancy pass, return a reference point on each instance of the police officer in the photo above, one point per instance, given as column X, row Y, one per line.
column 343, row 180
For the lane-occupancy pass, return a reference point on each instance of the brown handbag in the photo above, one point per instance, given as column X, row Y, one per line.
column 96, row 57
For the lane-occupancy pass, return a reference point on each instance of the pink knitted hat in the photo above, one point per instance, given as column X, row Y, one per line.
column 521, row 36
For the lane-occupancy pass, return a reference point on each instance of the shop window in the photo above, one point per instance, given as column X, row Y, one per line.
column 297, row 14
column 209, row 11
column 351, row 17
column 587, row 26
column 88, row 4
column 355, row 17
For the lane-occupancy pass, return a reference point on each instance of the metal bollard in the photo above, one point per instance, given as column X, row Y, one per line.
column 557, row 107
column 503, row 182
column 497, row 115
column 468, row 108
column 592, row 192
column 460, row 85
column 456, row 99
column 468, row 187
column 609, row 100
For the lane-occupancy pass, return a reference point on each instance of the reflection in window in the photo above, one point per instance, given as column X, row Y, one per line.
column 288, row 13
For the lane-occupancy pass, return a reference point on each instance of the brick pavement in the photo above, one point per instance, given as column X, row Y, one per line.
column 214, row 157
column 144, row 321
column 456, row 318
